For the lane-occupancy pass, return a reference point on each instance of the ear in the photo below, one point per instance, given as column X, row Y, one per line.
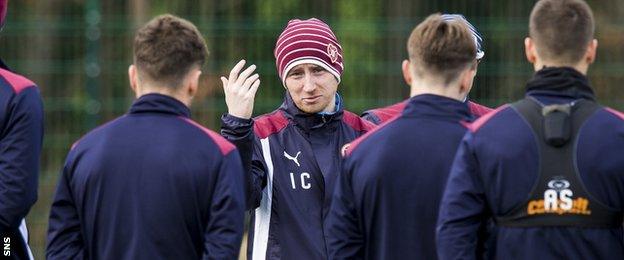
column 407, row 72
column 193, row 82
column 466, row 80
column 590, row 54
column 132, row 76
column 529, row 50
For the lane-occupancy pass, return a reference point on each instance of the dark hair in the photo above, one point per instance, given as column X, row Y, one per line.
column 441, row 47
column 561, row 30
column 167, row 48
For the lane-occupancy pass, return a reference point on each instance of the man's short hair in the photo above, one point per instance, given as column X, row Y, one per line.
column 441, row 47
column 166, row 49
column 561, row 30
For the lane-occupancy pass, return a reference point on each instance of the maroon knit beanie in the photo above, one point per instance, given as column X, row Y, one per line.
column 308, row 41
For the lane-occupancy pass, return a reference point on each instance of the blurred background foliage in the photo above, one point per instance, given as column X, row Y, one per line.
column 79, row 51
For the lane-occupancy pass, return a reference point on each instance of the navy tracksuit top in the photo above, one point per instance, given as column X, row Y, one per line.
column 385, row 204
column 292, row 160
column 497, row 166
column 151, row 184
column 381, row 115
column 21, row 138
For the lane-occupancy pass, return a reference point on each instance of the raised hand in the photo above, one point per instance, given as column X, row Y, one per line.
column 240, row 90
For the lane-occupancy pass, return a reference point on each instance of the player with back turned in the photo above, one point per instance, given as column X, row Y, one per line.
column 549, row 168
column 152, row 184
column 386, row 201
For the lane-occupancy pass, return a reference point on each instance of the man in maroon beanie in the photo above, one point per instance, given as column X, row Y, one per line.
column 292, row 155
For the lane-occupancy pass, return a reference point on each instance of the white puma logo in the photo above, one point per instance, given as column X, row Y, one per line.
column 294, row 159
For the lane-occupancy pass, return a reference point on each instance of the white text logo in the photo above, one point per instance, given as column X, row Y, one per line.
column 304, row 178
column 294, row 159
column 7, row 246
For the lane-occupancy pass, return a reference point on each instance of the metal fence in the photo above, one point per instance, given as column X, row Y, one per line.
column 79, row 51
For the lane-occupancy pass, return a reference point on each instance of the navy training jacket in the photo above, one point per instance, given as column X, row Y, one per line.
column 497, row 166
column 21, row 138
column 381, row 115
column 151, row 184
column 386, row 202
column 293, row 160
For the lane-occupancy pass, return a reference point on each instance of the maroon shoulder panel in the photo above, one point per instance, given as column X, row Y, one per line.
column 269, row 124
column 482, row 120
column 95, row 129
column 356, row 122
column 478, row 110
column 615, row 112
column 350, row 147
column 224, row 145
column 17, row 82
column 385, row 113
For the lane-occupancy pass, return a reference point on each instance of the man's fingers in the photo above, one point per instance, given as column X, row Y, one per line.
column 243, row 75
column 235, row 70
column 224, row 81
column 254, row 88
column 249, row 81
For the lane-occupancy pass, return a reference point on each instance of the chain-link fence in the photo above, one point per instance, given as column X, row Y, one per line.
column 79, row 51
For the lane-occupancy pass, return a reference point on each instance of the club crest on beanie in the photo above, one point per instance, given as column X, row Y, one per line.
column 308, row 41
